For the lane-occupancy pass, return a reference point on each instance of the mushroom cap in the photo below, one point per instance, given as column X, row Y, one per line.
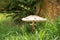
column 33, row 18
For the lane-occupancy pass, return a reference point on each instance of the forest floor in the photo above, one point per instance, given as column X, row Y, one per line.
column 44, row 31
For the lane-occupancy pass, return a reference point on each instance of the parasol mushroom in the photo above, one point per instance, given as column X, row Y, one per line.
column 33, row 19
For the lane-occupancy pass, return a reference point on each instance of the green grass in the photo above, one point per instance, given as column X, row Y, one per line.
column 43, row 31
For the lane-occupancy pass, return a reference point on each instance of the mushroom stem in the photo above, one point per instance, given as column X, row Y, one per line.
column 33, row 26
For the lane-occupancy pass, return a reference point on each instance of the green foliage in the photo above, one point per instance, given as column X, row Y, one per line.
column 11, row 32
column 44, row 31
column 21, row 8
column 17, row 5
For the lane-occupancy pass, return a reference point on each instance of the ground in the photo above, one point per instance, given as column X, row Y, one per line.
column 44, row 31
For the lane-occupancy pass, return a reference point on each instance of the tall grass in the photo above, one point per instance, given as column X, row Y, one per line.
column 44, row 31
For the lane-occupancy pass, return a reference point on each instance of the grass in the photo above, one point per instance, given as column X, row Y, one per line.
column 43, row 31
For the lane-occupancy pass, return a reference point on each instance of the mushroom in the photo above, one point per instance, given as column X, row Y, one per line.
column 33, row 19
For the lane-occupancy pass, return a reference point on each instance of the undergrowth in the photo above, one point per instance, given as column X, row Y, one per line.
column 43, row 30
